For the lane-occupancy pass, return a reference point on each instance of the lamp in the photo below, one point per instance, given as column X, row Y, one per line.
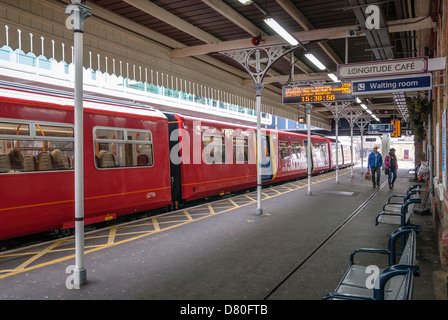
column 333, row 77
column 315, row 61
column 246, row 2
column 282, row 32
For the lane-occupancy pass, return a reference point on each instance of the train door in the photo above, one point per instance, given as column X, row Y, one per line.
column 268, row 166
column 305, row 144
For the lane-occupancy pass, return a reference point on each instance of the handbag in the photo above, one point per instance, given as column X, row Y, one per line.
column 386, row 172
column 367, row 177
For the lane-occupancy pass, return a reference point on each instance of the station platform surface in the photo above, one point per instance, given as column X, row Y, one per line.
column 297, row 250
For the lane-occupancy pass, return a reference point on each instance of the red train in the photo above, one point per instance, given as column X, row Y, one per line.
column 135, row 159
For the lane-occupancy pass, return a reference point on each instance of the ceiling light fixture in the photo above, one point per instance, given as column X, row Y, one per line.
column 282, row 32
column 363, row 106
column 316, row 62
column 333, row 77
column 246, row 2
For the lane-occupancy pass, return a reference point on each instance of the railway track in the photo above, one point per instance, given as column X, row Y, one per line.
column 322, row 244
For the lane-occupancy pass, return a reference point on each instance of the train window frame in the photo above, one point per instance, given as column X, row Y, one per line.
column 280, row 147
column 244, row 146
column 223, row 149
column 296, row 150
column 125, row 140
column 32, row 136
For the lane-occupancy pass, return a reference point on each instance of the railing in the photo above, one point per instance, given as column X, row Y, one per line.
column 155, row 88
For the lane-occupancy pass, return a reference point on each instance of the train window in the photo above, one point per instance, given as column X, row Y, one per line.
column 296, row 150
column 27, row 146
column 324, row 150
column 43, row 130
column 123, row 148
column 14, row 129
column 284, row 150
column 240, row 150
column 214, row 149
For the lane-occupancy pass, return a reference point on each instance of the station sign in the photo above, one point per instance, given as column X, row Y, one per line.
column 381, row 128
column 397, row 129
column 317, row 94
column 393, row 84
column 396, row 67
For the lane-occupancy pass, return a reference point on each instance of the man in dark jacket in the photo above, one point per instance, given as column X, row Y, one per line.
column 374, row 162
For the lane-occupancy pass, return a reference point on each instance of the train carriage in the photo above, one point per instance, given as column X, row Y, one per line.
column 211, row 157
column 124, row 167
column 135, row 159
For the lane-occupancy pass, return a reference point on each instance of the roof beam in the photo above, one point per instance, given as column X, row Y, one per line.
column 417, row 23
column 235, row 17
column 248, row 26
column 167, row 17
column 300, row 18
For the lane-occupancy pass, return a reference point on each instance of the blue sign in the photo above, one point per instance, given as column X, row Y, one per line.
column 393, row 84
column 381, row 128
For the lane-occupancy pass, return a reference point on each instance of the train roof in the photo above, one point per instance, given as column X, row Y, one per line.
column 92, row 103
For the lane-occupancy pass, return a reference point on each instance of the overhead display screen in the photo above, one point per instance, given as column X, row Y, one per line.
column 317, row 94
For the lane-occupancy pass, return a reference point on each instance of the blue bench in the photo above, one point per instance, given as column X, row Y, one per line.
column 398, row 212
column 395, row 282
column 413, row 192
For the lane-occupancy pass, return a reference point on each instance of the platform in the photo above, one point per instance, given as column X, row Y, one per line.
column 224, row 251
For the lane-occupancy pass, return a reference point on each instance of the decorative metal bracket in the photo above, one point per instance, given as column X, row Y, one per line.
column 257, row 61
column 351, row 116
column 362, row 122
column 337, row 107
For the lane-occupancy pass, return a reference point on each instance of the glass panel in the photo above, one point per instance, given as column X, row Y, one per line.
column 240, row 149
column 284, row 149
column 109, row 134
column 214, row 149
column 54, row 131
column 139, row 135
column 21, row 129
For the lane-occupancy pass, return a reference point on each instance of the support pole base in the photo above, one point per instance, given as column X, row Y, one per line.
column 259, row 212
column 79, row 276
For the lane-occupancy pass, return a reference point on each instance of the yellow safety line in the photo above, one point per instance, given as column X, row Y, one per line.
column 212, row 211
column 23, row 267
column 234, row 203
column 156, row 224
column 112, row 234
column 188, row 215
column 37, row 256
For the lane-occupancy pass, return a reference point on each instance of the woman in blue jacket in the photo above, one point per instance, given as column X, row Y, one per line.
column 375, row 162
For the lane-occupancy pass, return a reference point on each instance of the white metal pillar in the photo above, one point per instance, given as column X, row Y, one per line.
column 351, row 150
column 258, row 87
column 361, row 123
column 308, row 145
column 337, row 108
column 351, row 120
column 77, row 14
column 336, row 124
column 257, row 62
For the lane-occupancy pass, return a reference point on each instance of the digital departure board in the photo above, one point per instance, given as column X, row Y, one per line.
column 317, row 94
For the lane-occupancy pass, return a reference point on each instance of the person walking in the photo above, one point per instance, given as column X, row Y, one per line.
column 391, row 167
column 374, row 162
